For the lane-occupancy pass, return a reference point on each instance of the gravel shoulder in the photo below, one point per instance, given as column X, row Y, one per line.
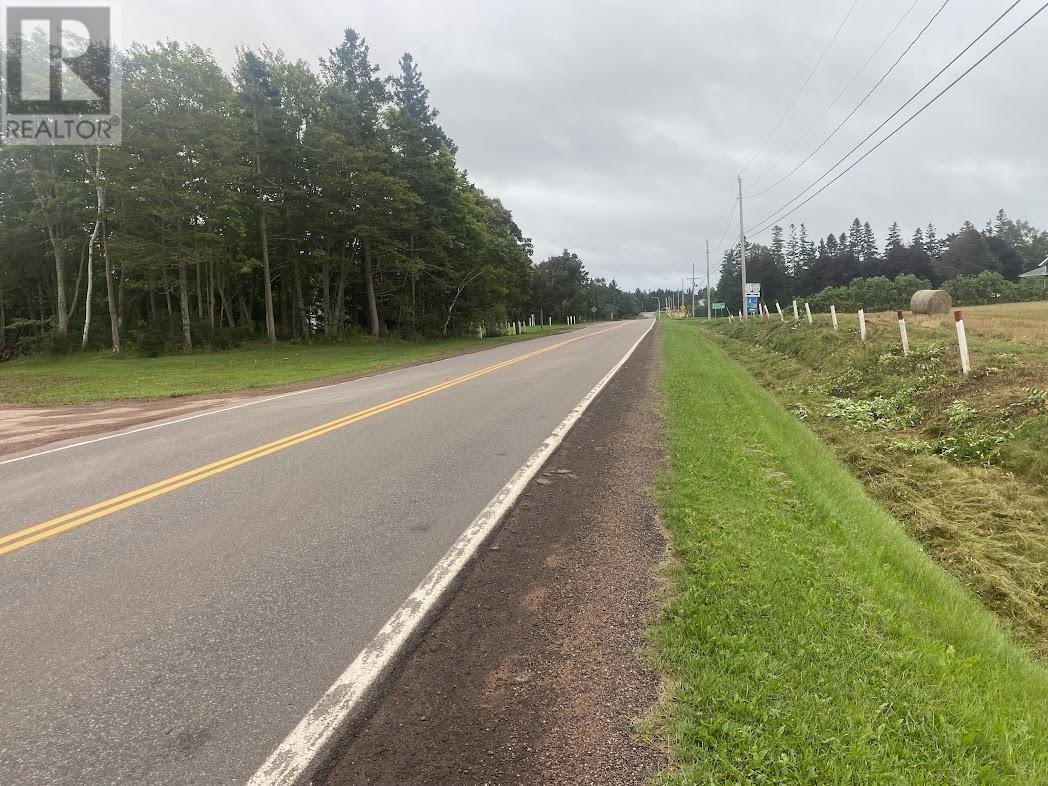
column 533, row 672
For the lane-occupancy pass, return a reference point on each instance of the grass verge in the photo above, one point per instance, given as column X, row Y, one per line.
column 90, row 377
column 810, row 640
column 959, row 460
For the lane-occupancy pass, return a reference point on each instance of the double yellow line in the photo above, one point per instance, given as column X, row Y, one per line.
column 51, row 527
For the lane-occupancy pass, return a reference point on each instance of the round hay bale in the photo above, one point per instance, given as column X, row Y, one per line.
column 931, row 301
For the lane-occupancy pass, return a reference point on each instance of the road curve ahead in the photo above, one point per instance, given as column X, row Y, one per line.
column 176, row 600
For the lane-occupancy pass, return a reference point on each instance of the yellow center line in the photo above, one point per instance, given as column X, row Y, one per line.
column 46, row 529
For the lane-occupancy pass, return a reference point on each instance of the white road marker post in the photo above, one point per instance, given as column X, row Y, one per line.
column 807, row 312
column 833, row 316
column 731, row 318
column 962, row 343
column 796, row 316
column 779, row 309
column 862, row 323
column 551, row 321
column 902, row 334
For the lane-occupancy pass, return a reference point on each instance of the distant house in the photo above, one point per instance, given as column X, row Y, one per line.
column 1037, row 272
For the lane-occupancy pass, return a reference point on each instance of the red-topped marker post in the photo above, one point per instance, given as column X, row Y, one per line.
column 962, row 343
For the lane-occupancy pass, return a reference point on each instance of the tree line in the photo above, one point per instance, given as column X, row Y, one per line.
column 281, row 201
column 850, row 268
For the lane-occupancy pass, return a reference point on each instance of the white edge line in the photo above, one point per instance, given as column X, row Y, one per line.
column 266, row 400
column 303, row 749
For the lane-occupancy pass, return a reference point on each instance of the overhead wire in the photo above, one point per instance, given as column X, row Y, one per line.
column 840, row 95
column 803, row 87
column 727, row 226
column 766, row 225
column 858, row 106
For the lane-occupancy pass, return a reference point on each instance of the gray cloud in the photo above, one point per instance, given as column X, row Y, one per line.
column 616, row 129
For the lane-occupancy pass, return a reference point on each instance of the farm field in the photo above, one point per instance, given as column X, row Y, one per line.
column 1018, row 323
column 961, row 461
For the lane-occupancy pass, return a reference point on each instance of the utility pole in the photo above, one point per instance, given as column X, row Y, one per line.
column 693, row 290
column 693, row 281
column 709, row 305
column 742, row 250
column 682, row 290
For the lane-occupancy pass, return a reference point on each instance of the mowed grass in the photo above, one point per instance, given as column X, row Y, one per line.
column 961, row 461
column 91, row 377
column 808, row 639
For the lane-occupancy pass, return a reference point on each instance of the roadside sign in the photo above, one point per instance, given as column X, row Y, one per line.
column 753, row 297
column 718, row 306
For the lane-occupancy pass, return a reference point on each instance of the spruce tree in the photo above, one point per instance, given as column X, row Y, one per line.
column 869, row 241
column 411, row 98
column 918, row 240
column 856, row 238
column 894, row 237
column 793, row 251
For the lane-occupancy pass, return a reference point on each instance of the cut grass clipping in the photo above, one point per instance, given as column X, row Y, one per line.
column 959, row 460
column 810, row 640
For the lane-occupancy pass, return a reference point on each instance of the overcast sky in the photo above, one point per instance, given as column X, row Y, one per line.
column 616, row 129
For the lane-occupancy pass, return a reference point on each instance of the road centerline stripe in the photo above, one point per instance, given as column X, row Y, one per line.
column 46, row 529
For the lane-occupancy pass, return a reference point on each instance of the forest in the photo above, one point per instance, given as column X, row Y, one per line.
column 279, row 202
column 975, row 266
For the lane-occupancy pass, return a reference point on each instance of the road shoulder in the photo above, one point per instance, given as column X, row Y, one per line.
column 532, row 674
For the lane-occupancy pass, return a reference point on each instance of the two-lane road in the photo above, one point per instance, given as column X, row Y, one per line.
column 175, row 600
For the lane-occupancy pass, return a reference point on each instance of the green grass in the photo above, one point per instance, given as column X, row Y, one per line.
column 959, row 460
column 808, row 639
column 90, row 377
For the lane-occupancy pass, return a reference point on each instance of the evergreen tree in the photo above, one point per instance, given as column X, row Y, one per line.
column 894, row 237
column 869, row 244
column 414, row 114
column 918, row 240
column 807, row 247
column 778, row 247
column 793, row 252
column 931, row 242
column 354, row 93
column 856, row 238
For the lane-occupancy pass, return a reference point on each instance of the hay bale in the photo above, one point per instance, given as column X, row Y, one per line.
column 931, row 301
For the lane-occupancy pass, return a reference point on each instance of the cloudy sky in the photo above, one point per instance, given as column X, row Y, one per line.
column 617, row 129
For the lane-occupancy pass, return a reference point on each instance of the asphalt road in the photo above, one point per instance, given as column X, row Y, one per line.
column 177, row 634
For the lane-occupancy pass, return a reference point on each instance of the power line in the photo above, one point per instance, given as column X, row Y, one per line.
column 803, row 87
column 858, row 106
column 910, row 119
column 894, row 114
column 727, row 225
column 840, row 95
